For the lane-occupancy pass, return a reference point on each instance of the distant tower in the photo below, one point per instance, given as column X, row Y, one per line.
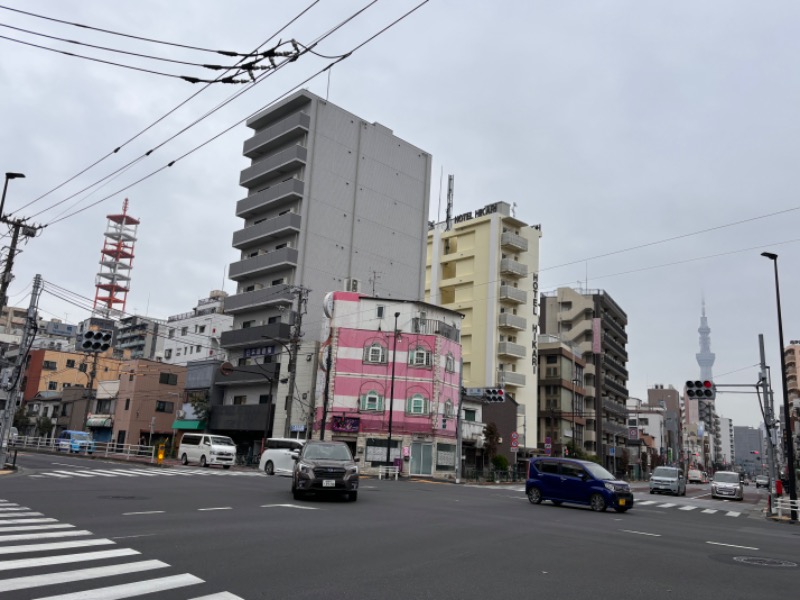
column 705, row 358
column 116, row 261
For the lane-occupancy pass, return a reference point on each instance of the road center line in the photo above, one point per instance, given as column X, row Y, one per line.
column 218, row 508
column 641, row 532
column 144, row 512
column 732, row 546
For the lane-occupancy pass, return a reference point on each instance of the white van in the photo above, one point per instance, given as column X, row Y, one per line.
column 207, row 449
column 277, row 456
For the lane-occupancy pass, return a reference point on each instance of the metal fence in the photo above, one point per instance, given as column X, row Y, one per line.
column 127, row 451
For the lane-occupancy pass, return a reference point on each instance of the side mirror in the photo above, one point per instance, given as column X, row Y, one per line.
column 295, row 456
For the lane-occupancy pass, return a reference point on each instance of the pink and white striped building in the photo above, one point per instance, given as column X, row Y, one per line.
column 391, row 361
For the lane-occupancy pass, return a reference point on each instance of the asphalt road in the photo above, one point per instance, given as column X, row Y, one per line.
column 232, row 534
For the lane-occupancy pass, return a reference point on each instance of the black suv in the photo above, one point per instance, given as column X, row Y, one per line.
column 326, row 467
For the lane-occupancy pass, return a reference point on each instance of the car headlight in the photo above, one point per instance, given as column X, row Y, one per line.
column 352, row 470
column 306, row 469
column 609, row 486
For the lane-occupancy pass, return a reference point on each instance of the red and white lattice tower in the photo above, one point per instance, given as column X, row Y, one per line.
column 116, row 262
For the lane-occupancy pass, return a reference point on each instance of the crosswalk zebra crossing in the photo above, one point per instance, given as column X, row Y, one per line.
column 142, row 472
column 30, row 541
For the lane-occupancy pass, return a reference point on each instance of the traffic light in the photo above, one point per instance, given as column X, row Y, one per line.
column 494, row 395
column 95, row 341
column 701, row 389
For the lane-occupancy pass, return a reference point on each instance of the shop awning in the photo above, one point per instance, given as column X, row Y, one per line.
column 99, row 421
column 192, row 425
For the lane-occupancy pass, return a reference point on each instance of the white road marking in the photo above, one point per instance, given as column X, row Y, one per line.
column 220, row 596
column 129, row 590
column 642, row 533
column 732, row 546
column 710, row 511
column 55, row 475
column 62, row 559
column 115, row 473
column 24, row 583
column 144, row 512
column 18, row 515
column 53, row 546
column 36, row 527
column 687, row 508
column 39, row 535
column 218, row 508
column 73, row 473
column 13, row 508
column 125, row 537
column 646, row 503
column 288, row 506
column 667, row 505
column 132, row 473
column 732, row 513
column 22, row 521
column 96, row 473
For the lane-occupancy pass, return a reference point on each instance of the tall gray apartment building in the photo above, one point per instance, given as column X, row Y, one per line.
column 334, row 203
column 594, row 324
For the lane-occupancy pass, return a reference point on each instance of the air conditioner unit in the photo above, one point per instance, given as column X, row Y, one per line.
column 352, row 285
column 180, row 414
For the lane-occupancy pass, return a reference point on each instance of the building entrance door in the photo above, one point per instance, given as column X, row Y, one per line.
column 421, row 458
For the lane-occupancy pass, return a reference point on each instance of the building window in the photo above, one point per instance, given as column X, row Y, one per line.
column 168, row 378
column 198, row 348
column 70, row 363
column 277, row 281
column 372, row 400
column 184, row 330
column 450, row 363
column 272, row 320
column 49, row 365
column 448, row 409
column 52, row 385
column 265, row 399
column 164, row 406
column 168, row 353
column 470, row 414
column 552, row 359
column 375, row 353
column 417, row 405
column 419, row 357
column 239, row 400
column 127, row 403
column 201, row 329
column 380, row 311
column 171, row 332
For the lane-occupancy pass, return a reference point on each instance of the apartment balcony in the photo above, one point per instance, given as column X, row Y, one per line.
column 250, row 375
column 511, row 349
column 267, row 231
column 612, row 365
column 471, row 431
column 509, row 321
column 242, row 417
column 281, row 163
column 510, row 379
column 509, row 266
column 512, row 294
column 512, row 241
column 615, row 346
column 615, row 387
column 615, row 408
column 254, row 336
column 281, row 194
column 614, row 428
column 275, row 295
column 276, row 135
column 589, row 435
column 263, row 264
column 616, row 327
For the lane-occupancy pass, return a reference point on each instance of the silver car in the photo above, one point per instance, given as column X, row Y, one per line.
column 727, row 484
column 668, row 480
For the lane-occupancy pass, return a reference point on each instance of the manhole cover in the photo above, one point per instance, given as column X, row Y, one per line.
column 763, row 562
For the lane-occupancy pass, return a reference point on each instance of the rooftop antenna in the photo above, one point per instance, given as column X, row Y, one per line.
column 439, row 207
column 449, row 217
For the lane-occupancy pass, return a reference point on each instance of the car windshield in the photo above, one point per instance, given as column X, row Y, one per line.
column 219, row 440
column 599, row 472
column 327, row 452
column 81, row 436
column 665, row 472
column 726, row 477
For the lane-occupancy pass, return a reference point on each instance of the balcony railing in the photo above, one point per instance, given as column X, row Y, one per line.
column 614, row 345
column 251, row 374
column 270, row 296
column 509, row 266
column 510, row 379
column 615, row 387
column 275, row 196
column 277, row 134
column 510, row 321
column 263, row 264
column 615, row 408
column 471, row 431
column 511, row 349
column 616, row 327
column 514, row 242
column 612, row 365
column 255, row 336
column 267, row 231
column 272, row 167
column 512, row 294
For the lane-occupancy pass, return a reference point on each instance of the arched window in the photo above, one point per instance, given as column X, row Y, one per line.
column 419, row 357
column 375, row 353
column 450, row 363
column 371, row 401
column 417, row 405
column 448, row 409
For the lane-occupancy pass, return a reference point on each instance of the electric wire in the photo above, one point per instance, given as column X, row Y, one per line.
column 162, row 117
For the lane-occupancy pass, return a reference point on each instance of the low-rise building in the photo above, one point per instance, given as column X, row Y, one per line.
column 195, row 335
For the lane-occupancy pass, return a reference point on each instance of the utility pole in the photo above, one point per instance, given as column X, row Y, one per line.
column 297, row 333
column 16, row 381
column 769, row 420
column 90, row 391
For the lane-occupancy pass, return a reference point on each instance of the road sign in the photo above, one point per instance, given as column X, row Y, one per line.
column 514, row 435
column 612, row 451
column 547, row 441
column 515, row 443
column 226, row 369
column 514, row 449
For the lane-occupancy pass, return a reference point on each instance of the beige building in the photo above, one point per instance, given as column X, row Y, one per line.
column 485, row 265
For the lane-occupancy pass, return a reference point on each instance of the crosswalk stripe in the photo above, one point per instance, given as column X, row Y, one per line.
column 74, row 473
column 96, row 473
column 39, row 535
column 134, row 472
column 18, row 515
column 63, row 559
column 129, row 590
column 115, row 473
column 646, row 502
column 23, row 521
column 709, row 511
column 12, row 508
column 667, row 505
column 150, row 472
column 53, row 546
column 220, row 596
column 55, row 475
column 36, row 527
column 24, row 583
column 687, row 507
column 732, row 513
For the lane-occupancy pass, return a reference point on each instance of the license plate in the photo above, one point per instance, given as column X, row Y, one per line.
column 328, row 483
column 622, row 501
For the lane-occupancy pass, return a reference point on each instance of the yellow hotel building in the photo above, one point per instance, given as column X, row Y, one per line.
column 485, row 264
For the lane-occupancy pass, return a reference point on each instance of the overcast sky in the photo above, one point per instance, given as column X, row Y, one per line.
column 617, row 125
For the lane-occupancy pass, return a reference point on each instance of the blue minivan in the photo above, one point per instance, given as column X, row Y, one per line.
column 576, row 481
column 75, row 441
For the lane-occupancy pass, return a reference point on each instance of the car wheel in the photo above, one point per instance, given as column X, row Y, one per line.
column 203, row 462
column 269, row 468
column 352, row 496
column 226, row 466
column 597, row 502
column 652, row 491
column 535, row 496
column 296, row 494
column 184, row 459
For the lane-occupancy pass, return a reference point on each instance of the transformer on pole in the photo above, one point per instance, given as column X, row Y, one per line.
column 112, row 282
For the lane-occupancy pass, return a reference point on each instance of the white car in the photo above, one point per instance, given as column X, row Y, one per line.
column 277, row 456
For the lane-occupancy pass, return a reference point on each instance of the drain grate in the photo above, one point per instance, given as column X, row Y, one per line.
column 759, row 561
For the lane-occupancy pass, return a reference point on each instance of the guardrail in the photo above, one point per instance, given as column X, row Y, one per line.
column 128, row 451
column 784, row 504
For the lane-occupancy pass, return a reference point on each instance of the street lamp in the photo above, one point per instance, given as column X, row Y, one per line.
column 786, row 414
column 5, row 187
column 391, row 391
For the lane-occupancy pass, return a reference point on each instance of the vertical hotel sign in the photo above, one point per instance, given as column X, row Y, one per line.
column 597, row 333
column 535, row 327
